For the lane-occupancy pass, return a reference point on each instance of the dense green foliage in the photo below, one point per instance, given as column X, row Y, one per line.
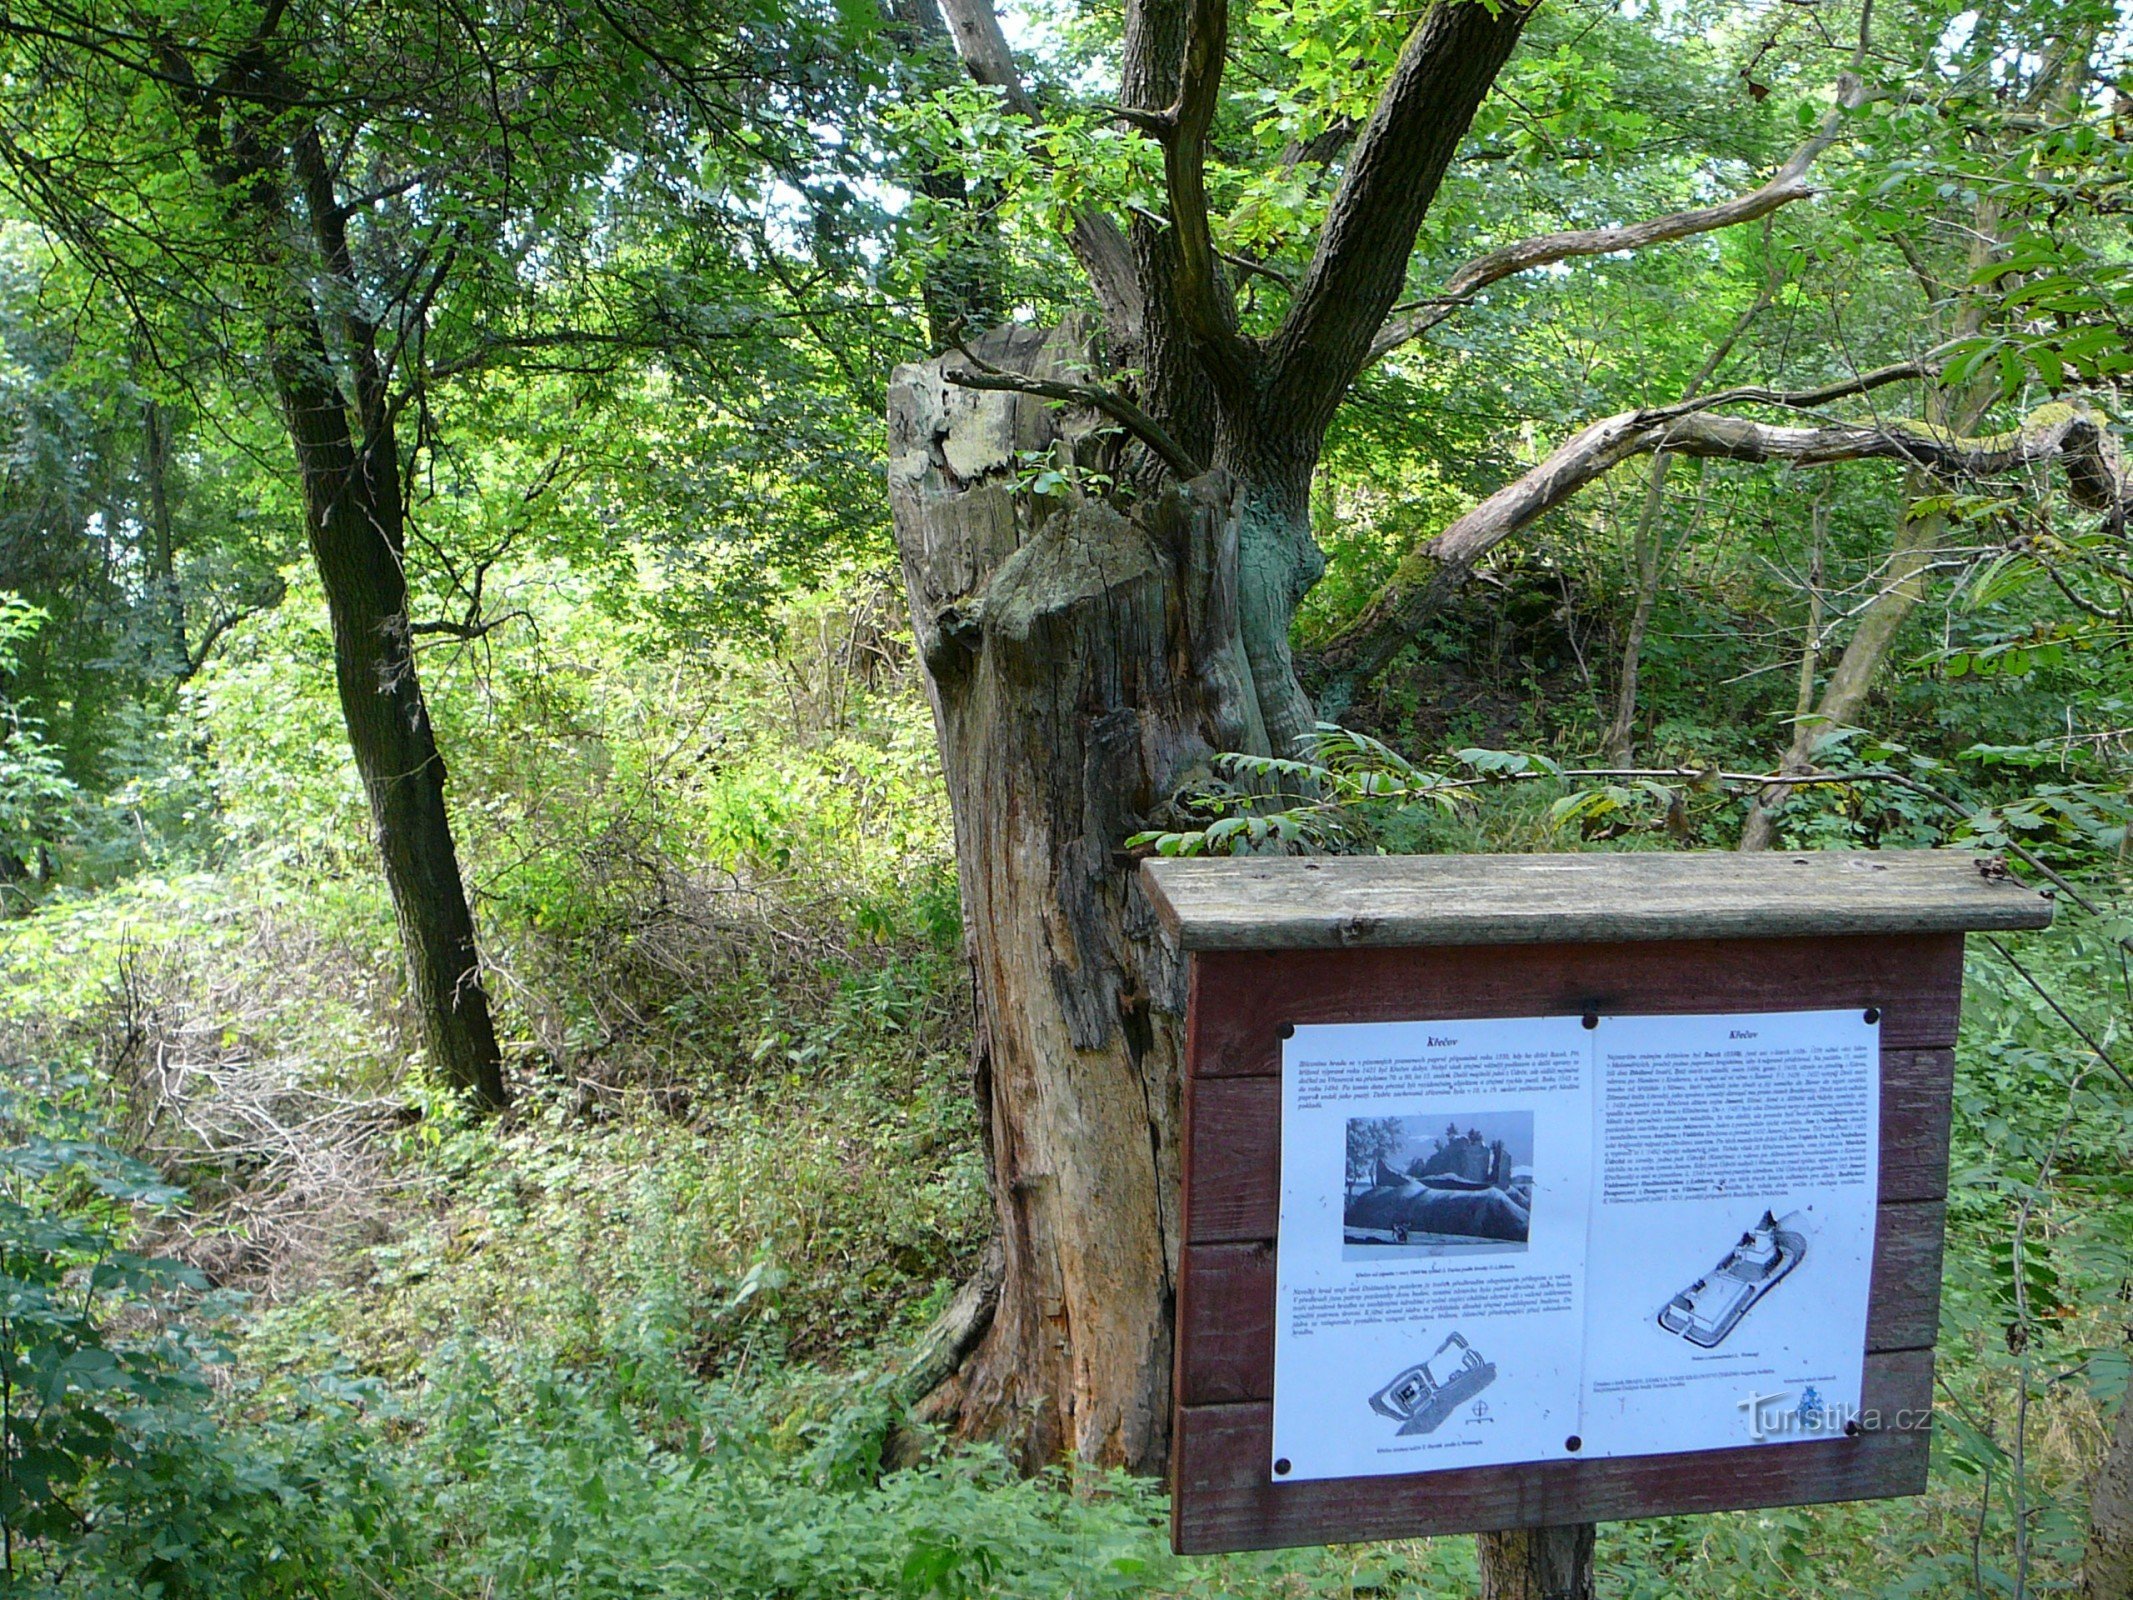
column 279, row 1316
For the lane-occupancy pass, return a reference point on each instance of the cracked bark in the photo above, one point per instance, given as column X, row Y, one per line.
column 1083, row 666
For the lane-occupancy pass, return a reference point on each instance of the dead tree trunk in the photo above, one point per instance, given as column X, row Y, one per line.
column 1083, row 666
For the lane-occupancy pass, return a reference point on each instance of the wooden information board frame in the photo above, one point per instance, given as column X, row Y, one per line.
column 1273, row 943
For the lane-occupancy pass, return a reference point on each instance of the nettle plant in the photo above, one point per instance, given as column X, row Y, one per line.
column 89, row 1362
column 1351, row 793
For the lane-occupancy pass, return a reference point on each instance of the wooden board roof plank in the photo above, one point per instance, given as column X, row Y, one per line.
column 1344, row 902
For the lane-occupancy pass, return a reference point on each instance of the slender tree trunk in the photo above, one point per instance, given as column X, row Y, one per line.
column 1082, row 667
column 162, row 545
column 1903, row 584
column 1803, row 699
column 1538, row 1563
column 353, row 519
column 1620, row 743
column 2107, row 1564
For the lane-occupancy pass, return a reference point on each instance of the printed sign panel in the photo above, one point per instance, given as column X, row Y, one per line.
column 1523, row 1239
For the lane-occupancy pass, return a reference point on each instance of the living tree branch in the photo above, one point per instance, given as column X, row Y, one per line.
column 1394, row 170
column 1782, row 188
column 1202, row 298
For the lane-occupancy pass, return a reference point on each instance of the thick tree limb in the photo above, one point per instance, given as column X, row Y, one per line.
column 1321, row 147
column 1782, row 188
column 1096, row 240
column 2096, row 480
column 1393, row 174
column 982, row 47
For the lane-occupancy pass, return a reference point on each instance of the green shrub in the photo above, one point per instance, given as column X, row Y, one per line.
column 121, row 1472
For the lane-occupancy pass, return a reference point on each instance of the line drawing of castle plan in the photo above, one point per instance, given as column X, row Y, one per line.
column 1711, row 1307
column 1419, row 1399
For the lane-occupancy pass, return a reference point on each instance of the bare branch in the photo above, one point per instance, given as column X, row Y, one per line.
column 466, row 630
column 1924, row 366
column 269, row 595
column 1112, row 404
column 2096, row 479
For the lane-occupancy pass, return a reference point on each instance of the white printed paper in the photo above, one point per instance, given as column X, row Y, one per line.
column 1525, row 1239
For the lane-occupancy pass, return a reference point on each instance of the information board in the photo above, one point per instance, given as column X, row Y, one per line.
column 1530, row 1191
column 1523, row 1239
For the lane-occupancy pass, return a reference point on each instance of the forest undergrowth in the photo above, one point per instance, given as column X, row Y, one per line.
column 643, row 1336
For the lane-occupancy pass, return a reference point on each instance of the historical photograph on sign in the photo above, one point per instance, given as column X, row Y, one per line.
column 1438, row 1185
column 1436, row 1190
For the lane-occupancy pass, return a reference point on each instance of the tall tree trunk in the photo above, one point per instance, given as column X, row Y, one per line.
column 1083, row 667
column 353, row 520
column 2107, row 1564
column 1538, row 1563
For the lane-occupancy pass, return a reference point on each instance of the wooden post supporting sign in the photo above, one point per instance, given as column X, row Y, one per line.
column 1527, row 1192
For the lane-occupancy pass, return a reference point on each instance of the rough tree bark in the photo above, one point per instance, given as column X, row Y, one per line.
column 353, row 519
column 1082, row 667
column 2107, row 1563
column 1538, row 1564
